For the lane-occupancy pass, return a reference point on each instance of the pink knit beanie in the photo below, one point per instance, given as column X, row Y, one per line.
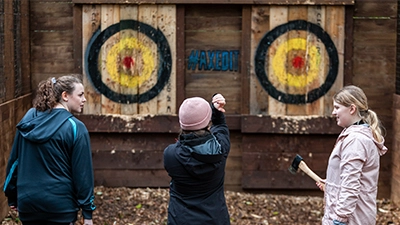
column 194, row 114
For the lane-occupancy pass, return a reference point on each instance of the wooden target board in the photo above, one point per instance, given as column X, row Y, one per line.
column 129, row 59
column 297, row 59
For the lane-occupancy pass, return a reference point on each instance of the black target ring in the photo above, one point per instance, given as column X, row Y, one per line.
column 92, row 57
column 270, row 37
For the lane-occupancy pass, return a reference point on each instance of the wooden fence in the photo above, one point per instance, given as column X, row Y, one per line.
column 254, row 54
column 295, row 64
column 15, row 88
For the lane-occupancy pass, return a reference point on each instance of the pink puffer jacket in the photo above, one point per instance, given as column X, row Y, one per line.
column 352, row 177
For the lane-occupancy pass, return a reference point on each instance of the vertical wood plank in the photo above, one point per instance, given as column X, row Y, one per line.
column 294, row 70
column 90, row 23
column 17, row 48
column 246, row 59
column 316, row 15
column 110, row 75
column 8, row 51
column 348, row 52
column 2, row 53
column 148, row 15
column 180, row 55
column 129, row 12
column 77, row 24
column 258, row 96
column 335, row 19
column 7, row 130
column 25, row 49
column 279, row 16
column 3, row 151
column 167, row 25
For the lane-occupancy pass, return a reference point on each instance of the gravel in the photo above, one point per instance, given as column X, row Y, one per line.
column 145, row 206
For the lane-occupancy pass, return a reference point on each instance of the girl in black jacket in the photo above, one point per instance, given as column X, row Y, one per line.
column 196, row 164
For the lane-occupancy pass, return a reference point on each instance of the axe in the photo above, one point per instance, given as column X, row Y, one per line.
column 297, row 163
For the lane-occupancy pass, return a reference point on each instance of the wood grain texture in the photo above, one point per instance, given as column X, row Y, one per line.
column 91, row 16
column 395, row 178
column 373, row 41
column 129, row 12
column 223, row 34
column 11, row 113
column 110, row 15
column 9, row 53
column 279, row 2
column 259, row 98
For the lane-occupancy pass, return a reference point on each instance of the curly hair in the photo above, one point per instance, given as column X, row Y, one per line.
column 49, row 91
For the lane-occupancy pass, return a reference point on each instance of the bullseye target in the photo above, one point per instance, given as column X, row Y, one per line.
column 120, row 63
column 295, row 63
column 122, row 59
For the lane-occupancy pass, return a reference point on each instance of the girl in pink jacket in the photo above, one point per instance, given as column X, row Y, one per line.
column 353, row 167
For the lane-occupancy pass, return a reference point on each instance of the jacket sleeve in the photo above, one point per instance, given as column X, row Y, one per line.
column 220, row 129
column 353, row 157
column 10, row 184
column 82, row 171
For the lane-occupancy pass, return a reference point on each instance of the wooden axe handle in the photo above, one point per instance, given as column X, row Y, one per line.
column 303, row 166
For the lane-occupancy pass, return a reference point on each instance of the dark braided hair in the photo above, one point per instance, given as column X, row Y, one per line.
column 49, row 91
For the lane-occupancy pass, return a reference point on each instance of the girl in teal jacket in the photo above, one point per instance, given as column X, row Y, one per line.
column 53, row 178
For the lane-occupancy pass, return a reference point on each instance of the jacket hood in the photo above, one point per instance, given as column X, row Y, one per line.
column 365, row 130
column 39, row 126
column 200, row 155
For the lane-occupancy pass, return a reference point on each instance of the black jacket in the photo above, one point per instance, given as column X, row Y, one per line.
column 196, row 166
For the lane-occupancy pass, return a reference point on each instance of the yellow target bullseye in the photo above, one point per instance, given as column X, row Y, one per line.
column 130, row 63
column 306, row 61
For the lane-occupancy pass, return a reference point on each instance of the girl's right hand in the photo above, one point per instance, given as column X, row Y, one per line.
column 219, row 102
column 321, row 184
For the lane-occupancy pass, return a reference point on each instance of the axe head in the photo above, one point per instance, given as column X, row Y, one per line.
column 295, row 164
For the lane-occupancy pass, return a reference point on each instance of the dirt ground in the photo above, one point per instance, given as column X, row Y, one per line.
column 141, row 206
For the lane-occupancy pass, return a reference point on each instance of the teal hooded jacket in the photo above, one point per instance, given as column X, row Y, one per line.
column 54, row 173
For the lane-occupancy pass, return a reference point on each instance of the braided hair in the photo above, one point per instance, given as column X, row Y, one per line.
column 48, row 93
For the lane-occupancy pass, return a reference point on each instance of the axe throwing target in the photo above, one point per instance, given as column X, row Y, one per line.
column 295, row 63
column 121, row 68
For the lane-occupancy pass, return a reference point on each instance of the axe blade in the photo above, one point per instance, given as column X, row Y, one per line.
column 294, row 167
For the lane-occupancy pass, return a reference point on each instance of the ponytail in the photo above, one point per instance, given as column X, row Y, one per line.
column 375, row 124
column 354, row 95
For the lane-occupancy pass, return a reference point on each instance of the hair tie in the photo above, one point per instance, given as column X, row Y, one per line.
column 53, row 80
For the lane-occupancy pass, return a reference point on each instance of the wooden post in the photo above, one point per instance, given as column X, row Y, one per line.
column 129, row 12
column 109, row 73
column 90, row 23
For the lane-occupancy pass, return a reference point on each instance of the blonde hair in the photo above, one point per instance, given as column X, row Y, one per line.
column 354, row 95
column 49, row 91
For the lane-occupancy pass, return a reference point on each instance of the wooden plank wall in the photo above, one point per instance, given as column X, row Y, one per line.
column 134, row 86
column 374, row 62
column 267, row 152
column 372, row 57
column 15, row 89
column 395, row 179
column 211, row 32
column 52, row 38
